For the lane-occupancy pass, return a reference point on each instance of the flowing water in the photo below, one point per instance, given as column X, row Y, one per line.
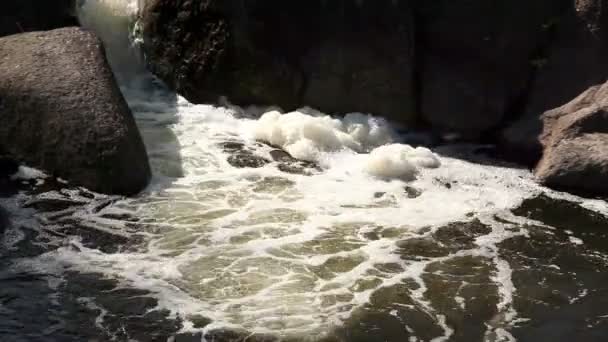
column 361, row 239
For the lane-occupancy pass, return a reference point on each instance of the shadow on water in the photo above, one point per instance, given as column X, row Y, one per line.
column 152, row 103
column 155, row 109
column 44, row 304
column 40, row 300
column 487, row 155
column 36, row 306
column 561, row 292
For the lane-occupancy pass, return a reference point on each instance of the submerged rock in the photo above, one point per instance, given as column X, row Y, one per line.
column 35, row 15
column 338, row 56
column 243, row 159
column 575, row 138
column 564, row 215
column 412, row 192
column 241, row 156
column 451, row 238
column 62, row 111
column 289, row 164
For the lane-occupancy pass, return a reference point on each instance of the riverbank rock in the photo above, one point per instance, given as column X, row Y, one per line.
column 17, row 16
column 337, row 56
column 575, row 141
column 575, row 60
column 477, row 59
column 61, row 111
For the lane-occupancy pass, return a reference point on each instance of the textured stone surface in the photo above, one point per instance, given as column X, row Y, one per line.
column 478, row 58
column 61, row 111
column 576, row 59
column 338, row 56
column 575, row 141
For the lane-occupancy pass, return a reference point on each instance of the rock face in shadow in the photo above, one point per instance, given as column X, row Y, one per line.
column 575, row 141
column 576, row 60
column 17, row 16
column 477, row 58
column 61, row 111
column 3, row 220
column 483, row 70
column 338, row 56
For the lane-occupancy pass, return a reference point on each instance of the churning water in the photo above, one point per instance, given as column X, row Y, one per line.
column 363, row 239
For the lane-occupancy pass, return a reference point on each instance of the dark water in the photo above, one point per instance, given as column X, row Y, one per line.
column 562, row 287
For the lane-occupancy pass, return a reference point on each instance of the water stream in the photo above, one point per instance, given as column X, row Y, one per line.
column 367, row 240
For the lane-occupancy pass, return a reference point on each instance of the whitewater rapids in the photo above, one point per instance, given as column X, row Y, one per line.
column 289, row 254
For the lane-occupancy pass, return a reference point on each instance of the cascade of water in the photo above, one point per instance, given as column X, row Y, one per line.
column 115, row 22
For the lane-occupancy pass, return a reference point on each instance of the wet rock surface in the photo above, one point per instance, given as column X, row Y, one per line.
column 243, row 156
column 569, row 217
column 443, row 241
column 412, row 192
column 289, row 164
column 244, row 159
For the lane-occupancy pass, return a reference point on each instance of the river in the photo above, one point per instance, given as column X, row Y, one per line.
column 345, row 246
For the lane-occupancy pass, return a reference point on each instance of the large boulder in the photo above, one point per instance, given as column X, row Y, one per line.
column 61, row 111
column 478, row 58
column 576, row 60
column 338, row 56
column 17, row 16
column 575, row 141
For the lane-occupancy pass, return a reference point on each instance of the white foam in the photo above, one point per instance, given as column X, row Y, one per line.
column 224, row 240
column 400, row 161
column 310, row 135
column 275, row 220
column 28, row 173
column 576, row 241
column 306, row 133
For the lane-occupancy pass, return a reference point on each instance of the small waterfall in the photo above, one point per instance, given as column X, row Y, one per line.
column 115, row 22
